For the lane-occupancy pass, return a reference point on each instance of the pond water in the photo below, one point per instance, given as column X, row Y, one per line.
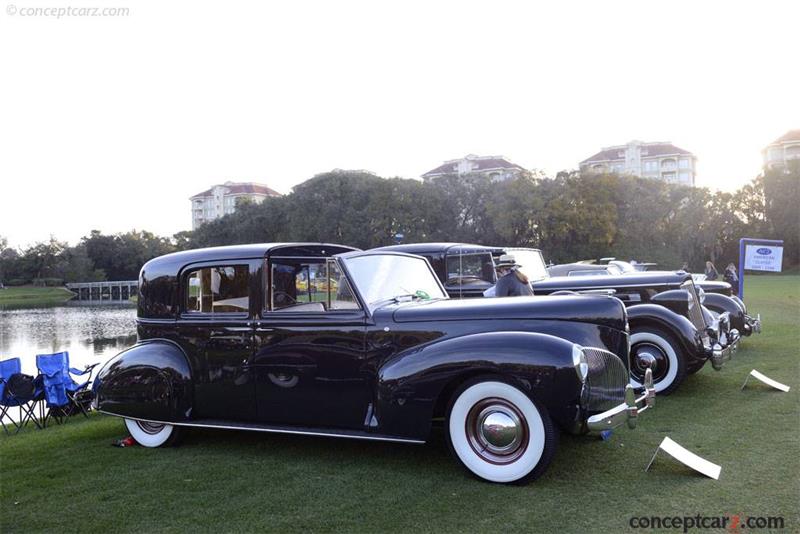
column 91, row 333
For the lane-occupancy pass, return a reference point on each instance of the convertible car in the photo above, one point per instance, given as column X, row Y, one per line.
column 235, row 338
column 672, row 334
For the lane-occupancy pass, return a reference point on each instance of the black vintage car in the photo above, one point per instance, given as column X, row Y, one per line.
column 717, row 296
column 235, row 338
column 671, row 333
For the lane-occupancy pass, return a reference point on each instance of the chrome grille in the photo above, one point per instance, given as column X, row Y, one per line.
column 607, row 379
column 695, row 312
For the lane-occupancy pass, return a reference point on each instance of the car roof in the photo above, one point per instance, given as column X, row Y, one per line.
column 452, row 248
column 248, row 251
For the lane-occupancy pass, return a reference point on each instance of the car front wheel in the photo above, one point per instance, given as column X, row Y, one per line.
column 498, row 433
column 149, row 434
column 653, row 348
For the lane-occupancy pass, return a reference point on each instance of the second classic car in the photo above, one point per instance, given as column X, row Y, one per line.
column 671, row 333
column 234, row 338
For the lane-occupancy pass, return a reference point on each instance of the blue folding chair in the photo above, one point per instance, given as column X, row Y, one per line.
column 62, row 395
column 16, row 390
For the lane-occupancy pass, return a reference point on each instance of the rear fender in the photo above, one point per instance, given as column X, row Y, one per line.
column 150, row 380
column 410, row 384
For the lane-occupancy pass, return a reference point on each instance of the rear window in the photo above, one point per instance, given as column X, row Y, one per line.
column 222, row 289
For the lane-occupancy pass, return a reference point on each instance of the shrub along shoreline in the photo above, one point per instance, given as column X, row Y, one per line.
column 33, row 296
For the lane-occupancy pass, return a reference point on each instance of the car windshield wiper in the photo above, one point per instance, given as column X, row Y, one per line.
column 403, row 297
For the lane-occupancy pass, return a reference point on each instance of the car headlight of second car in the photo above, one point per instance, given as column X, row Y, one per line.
column 580, row 363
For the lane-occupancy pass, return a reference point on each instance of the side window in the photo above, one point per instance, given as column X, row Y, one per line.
column 341, row 296
column 223, row 289
column 463, row 269
column 309, row 285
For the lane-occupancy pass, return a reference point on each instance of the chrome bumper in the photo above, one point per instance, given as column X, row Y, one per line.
column 627, row 411
column 720, row 355
column 754, row 323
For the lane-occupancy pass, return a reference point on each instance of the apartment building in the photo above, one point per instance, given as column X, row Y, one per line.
column 659, row 161
column 498, row 168
column 221, row 200
column 784, row 149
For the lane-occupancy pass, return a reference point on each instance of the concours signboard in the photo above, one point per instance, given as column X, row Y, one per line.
column 763, row 258
column 759, row 255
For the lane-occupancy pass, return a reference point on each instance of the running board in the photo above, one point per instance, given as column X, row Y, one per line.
column 277, row 429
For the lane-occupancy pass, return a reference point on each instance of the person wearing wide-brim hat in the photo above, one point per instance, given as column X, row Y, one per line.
column 511, row 282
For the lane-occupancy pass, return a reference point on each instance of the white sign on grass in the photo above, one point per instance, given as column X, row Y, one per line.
column 767, row 380
column 763, row 258
column 688, row 458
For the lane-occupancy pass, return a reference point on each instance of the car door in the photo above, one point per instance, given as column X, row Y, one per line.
column 309, row 359
column 216, row 331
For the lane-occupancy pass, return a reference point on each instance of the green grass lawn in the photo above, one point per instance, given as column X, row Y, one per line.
column 33, row 296
column 69, row 478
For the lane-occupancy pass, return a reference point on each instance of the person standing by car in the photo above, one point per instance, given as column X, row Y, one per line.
column 732, row 278
column 511, row 282
column 711, row 271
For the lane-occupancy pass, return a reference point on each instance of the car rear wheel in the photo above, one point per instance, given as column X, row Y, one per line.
column 149, row 434
column 654, row 348
column 498, row 433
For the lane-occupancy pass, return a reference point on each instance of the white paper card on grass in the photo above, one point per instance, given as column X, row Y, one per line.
column 688, row 458
column 768, row 381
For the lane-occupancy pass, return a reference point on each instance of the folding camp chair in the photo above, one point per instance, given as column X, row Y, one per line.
column 62, row 395
column 16, row 389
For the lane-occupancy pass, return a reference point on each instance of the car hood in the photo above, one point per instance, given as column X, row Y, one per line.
column 607, row 311
column 715, row 286
column 644, row 279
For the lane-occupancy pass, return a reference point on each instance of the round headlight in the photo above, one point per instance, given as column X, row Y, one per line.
column 580, row 363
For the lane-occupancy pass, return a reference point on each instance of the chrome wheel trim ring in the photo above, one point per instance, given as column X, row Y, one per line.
column 150, row 428
column 497, row 431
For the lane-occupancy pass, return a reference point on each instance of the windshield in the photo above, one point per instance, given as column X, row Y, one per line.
column 382, row 277
column 466, row 269
column 532, row 263
column 623, row 266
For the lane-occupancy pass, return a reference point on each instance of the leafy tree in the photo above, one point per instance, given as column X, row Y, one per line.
column 782, row 208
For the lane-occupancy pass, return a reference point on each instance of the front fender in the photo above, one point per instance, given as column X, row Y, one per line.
column 721, row 304
column 679, row 326
column 410, row 384
column 150, row 380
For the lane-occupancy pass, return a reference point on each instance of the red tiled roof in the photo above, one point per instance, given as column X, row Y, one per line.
column 478, row 165
column 791, row 135
column 241, row 189
column 653, row 149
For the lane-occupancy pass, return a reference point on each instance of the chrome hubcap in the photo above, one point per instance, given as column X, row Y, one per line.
column 497, row 431
column 649, row 356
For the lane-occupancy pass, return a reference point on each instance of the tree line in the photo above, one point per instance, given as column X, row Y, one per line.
column 570, row 217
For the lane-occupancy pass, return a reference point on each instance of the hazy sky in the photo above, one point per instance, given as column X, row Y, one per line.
column 113, row 122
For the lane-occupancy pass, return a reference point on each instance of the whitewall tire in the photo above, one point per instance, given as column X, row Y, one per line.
column 151, row 434
column 653, row 347
column 498, row 433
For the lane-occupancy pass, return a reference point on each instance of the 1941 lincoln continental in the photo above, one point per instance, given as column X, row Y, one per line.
column 672, row 334
column 328, row 340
